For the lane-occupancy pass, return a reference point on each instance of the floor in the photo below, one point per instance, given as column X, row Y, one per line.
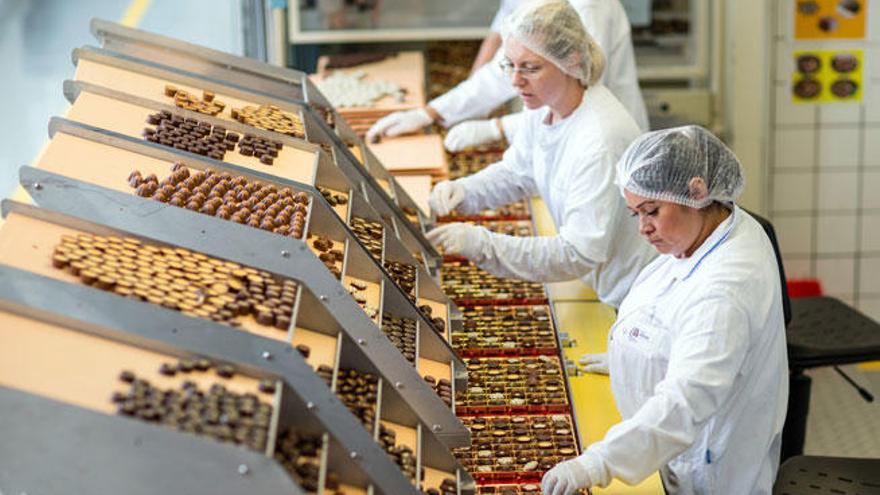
column 37, row 36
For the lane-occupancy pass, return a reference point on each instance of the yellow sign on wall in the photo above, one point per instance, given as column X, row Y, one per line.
column 829, row 19
column 827, row 76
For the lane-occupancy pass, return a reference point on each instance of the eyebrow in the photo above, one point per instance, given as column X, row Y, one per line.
column 636, row 207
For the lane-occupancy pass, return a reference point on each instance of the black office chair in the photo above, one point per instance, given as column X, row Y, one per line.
column 809, row 475
column 820, row 331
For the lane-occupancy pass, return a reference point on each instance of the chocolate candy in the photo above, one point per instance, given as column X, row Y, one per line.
column 175, row 278
column 270, row 118
column 217, row 413
column 533, row 384
column 359, row 392
column 404, row 275
column 206, row 104
column 464, row 280
column 229, row 197
column 525, row 445
column 300, row 455
column 369, row 234
column 402, row 333
column 505, row 330
column 468, row 163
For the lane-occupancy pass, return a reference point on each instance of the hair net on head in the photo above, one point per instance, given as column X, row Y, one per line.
column 553, row 30
column 662, row 165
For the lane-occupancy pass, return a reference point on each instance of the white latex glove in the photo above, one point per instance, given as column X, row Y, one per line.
column 472, row 133
column 398, row 123
column 445, row 197
column 566, row 478
column 595, row 363
column 460, row 238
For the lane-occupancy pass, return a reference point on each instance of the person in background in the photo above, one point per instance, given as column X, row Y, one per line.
column 487, row 88
column 697, row 356
column 573, row 132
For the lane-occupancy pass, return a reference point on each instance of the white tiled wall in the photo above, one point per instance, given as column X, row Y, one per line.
column 838, row 146
column 837, row 190
column 871, row 145
column 837, row 276
column 795, row 234
column 793, row 191
column 836, row 234
column 795, row 148
column 870, row 231
column 869, row 281
column 825, row 173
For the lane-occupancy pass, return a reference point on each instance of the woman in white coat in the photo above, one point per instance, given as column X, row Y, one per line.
column 488, row 87
column 573, row 133
column 697, row 357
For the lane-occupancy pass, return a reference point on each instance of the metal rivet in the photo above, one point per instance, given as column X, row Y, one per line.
column 362, row 342
column 285, row 253
column 398, row 384
column 310, row 405
column 436, row 428
column 353, row 455
column 243, row 469
column 322, row 297
column 38, row 186
column 266, row 355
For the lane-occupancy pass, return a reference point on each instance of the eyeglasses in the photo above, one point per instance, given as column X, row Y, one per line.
column 527, row 71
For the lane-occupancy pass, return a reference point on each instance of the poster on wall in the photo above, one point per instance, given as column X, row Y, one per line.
column 827, row 76
column 829, row 19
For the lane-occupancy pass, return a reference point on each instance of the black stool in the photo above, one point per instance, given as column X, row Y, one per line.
column 820, row 331
column 809, row 475
column 823, row 332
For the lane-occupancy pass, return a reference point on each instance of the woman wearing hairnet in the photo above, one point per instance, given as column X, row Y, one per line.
column 697, row 357
column 488, row 87
column 573, row 133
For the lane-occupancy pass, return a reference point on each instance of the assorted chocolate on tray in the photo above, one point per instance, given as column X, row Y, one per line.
column 505, row 331
column 178, row 279
column 227, row 196
column 513, row 385
column 468, row 284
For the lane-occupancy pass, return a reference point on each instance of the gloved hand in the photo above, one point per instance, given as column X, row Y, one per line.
column 460, row 238
column 595, row 363
column 472, row 133
column 566, row 478
column 398, row 123
column 445, row 197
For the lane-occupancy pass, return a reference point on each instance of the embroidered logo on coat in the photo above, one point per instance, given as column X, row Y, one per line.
column 635, row 334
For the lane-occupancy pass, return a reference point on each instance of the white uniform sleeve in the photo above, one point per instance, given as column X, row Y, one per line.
column 706, row 355
column 586, row 228
column 501, row 183
column 621, row 78
column 504, row 10
column 476, row 96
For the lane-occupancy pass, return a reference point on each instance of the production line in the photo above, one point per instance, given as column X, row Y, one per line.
column 235, row 216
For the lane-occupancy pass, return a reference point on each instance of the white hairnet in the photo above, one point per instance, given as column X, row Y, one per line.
column 553, row 30
column 661, row 165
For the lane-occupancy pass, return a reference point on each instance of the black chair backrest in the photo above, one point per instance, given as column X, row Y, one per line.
column 771, row 233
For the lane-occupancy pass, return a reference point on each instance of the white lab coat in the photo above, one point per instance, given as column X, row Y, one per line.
column 488, row 87
column 699, row 370
column 571, row 164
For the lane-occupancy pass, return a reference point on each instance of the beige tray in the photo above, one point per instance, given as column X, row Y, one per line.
column 80, row 369
column 406, row 69
column 27, row 243
column 130, row 119
column 421, row 153
column 418, row 187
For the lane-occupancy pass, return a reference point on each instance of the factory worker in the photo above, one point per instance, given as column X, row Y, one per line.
column 697, row 357
column 574, row 130
column 488, row 87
